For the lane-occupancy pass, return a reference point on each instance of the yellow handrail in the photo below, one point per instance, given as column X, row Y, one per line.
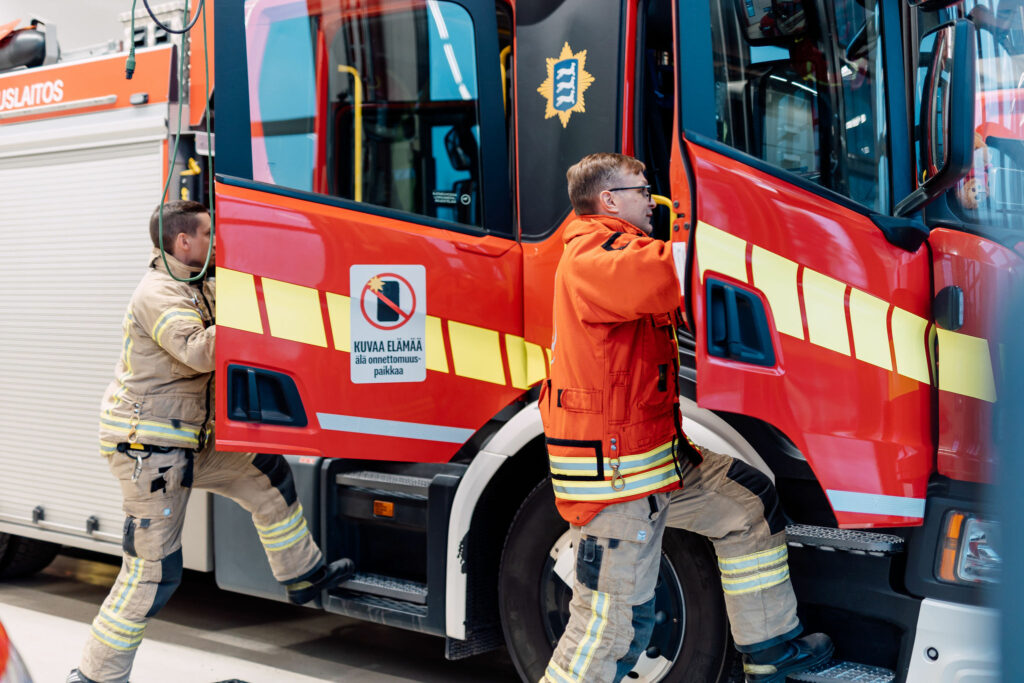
column 505, row 51
column 662, row 200
column 358, row 88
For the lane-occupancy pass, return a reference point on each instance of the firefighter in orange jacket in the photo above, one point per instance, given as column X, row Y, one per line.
column 621, row 467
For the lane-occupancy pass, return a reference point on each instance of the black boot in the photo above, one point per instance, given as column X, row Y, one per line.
column 792, row 657
column 323, row 579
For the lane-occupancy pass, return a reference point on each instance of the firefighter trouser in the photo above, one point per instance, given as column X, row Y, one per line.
column 154, row 503
column 611, row 615
column 737, row 507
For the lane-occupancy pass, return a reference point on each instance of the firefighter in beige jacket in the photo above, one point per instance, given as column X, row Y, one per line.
column 156, row 430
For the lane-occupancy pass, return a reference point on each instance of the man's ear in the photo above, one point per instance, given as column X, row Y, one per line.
column 608, row 202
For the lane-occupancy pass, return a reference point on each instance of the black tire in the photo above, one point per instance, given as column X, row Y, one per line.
column 691, row 640
column 21, row 557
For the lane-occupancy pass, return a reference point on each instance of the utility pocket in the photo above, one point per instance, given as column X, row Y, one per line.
column 655, row 385
column 579, row 400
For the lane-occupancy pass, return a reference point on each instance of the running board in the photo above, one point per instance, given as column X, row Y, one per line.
column 387, row 587
column 847, row 672
column 846, row 540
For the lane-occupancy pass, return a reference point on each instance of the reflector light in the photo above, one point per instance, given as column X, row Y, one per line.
column 969, row 550
column 383, row 508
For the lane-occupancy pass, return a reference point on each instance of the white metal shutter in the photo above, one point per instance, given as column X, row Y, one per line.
column 73, row 245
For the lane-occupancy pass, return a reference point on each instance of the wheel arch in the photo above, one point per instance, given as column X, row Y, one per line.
column 499, row 477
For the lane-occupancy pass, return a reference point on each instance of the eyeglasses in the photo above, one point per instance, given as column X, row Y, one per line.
column 645, row 190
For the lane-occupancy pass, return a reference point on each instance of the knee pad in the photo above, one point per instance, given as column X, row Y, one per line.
column 170, row 579
column 755, row 481
column 276, row 469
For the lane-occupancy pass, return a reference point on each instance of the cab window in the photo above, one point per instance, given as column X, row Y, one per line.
column 373, row 105
column 803, row 92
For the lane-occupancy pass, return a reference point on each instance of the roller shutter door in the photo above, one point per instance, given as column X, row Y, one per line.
column 73, row 245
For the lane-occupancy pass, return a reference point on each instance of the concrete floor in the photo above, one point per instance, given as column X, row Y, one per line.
column 206, row 635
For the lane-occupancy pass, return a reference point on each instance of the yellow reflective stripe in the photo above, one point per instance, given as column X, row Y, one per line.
column 111, row 622
column 908, row 339
column 720, row 252
column 239, row 309
column 272, row 529
column 339, row 311
column 601, row 490
column 145, row 427
column 436, row 358
column 134, row 570
column 556, row 674
column 965, row 365
column 826, row 311
column 293, row 312
column 476, row 352
column 584, row 655
column 525, row 361
column 107, row 448
column 759, row 560
column 775, row 276
column 160, row 326
column 757, row 582
column 868, row 316
column 112, row 640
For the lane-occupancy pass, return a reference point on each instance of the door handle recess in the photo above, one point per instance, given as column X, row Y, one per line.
column 737, row 325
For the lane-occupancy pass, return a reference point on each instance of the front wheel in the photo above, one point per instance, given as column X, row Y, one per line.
column 691, row 639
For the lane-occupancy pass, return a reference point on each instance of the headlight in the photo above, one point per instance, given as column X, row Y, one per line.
column 12, row 669
column 969, row 552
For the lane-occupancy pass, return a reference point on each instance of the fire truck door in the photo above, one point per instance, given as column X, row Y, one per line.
column 806, row 316
column 368, row 280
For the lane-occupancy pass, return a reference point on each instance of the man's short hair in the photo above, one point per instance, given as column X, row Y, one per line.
column 592, row 174
column 179, row 217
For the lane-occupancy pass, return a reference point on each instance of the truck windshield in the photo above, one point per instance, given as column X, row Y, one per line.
column 990, row 199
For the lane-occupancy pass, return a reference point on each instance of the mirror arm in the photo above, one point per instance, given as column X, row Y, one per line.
column 961, row 124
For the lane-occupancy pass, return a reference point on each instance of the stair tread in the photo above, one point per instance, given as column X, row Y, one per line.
column 847, row 672
column 387, row 586
column 855, row 540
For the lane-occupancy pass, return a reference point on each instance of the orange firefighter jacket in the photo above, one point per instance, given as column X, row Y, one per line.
column 610, row 407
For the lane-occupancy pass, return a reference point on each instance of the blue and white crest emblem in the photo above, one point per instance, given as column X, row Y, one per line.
column 566, row 82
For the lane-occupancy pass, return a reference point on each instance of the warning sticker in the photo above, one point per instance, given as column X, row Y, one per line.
column 388, row 321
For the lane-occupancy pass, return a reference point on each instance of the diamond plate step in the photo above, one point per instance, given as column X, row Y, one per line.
column 847, row 540
column 847, row 672
column 387, row 587
column 401, row 484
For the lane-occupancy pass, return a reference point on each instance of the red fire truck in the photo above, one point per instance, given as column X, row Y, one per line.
column 842, row 183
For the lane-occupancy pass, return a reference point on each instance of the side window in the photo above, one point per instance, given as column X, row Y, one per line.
column 369, row 105
column 803, row 92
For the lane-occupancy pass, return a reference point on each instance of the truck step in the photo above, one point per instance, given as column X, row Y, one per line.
column 845, row 671
column 387, row 587
column 847, row 540
column 394, row 484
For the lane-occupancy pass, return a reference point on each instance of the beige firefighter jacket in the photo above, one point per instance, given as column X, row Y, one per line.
column 162, row 392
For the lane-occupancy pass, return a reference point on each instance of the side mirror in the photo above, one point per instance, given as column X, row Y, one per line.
column 945, row 112
column 772, row 22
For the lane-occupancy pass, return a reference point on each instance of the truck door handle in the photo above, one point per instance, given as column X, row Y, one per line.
column 488, row 245
column 737, row 325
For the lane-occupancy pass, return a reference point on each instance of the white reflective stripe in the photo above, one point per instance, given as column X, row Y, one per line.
column 875, row 503
column 402, row 430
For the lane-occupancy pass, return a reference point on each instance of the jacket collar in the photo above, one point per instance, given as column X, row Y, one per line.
column 586, row 224
column 177, row 268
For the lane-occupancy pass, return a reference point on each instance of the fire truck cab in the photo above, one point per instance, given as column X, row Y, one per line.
column 841, row 182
